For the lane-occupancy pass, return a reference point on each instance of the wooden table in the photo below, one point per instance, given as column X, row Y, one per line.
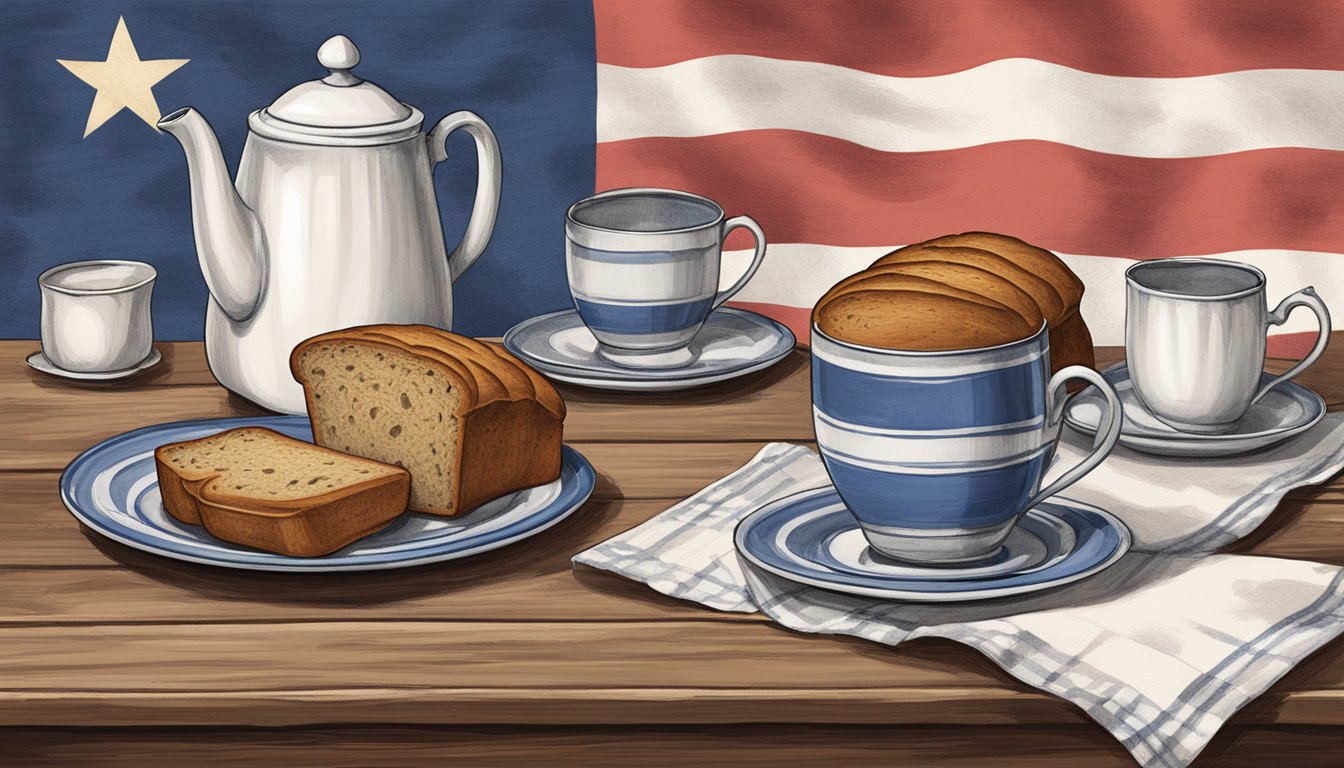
column 109, row 656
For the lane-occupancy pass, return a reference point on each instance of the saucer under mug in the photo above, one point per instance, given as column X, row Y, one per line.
column 1287, row 409
column 811, row 538
column 39, row 362
column 732, row 343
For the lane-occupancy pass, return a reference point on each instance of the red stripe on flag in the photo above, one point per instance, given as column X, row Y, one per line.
column 1290, row 346
column 1138, row 38
column 806, row 188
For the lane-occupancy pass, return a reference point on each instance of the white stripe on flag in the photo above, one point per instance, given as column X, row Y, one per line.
column 1004, row 100
column 797, row 274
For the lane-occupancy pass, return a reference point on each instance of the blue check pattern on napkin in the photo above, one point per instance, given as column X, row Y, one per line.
column 1160, row 649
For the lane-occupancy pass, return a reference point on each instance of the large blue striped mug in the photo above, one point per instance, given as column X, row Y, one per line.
column 937, row 454
column 644, row 270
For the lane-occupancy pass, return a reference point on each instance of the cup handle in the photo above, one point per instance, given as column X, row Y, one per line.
column 1106, row 438
column 1307, row 297
column 746, row 222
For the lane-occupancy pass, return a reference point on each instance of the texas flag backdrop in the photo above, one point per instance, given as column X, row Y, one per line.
column 1105, row 131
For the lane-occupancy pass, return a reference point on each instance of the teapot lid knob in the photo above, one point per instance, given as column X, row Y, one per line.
column 340, row 56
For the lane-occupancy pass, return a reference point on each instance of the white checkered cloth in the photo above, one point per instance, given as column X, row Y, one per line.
column 1160, row 649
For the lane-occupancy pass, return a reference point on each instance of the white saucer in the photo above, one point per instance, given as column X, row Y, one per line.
column 1286, row 410
column 39, row 362
column 732, row 343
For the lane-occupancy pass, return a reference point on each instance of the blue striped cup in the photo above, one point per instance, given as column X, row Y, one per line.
column 937, row 454
column 644, row 270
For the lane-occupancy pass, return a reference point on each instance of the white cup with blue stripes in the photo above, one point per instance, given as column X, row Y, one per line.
column 938, row 454
column 643, row 270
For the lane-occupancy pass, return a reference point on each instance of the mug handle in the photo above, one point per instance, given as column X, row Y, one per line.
column 1307, row 297
column 1106, row 438
column 745, row 222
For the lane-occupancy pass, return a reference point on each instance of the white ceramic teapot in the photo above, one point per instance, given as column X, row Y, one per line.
column 333, row 222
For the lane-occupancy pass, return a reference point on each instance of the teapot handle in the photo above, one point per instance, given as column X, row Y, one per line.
column 486, row 206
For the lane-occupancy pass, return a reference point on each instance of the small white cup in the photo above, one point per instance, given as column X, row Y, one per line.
column 95, row 315
column 1195, row 339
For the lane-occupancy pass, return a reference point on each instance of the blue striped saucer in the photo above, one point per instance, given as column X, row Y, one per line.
column 811, row 538
column 112, row 488
column 732, row 343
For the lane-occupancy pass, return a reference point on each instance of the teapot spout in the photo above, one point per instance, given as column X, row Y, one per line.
column 229, row 240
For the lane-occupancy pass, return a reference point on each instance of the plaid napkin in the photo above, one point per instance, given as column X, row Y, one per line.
column 1160, row 649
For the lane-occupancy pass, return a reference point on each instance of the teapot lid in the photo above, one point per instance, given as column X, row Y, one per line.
column 338, row 109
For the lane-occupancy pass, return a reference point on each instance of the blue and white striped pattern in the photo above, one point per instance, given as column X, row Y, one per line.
column 113, row 488
column 810, row 538
column 654, row 299
column 933, row 444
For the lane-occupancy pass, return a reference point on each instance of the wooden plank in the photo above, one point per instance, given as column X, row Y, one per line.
column 531, row 672
column 944, row 705
column 183, row 364
column 642, row 655
column 530, row 580
column 779, row 746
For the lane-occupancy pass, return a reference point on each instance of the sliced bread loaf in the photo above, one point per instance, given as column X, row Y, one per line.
column 468, row 420
column 262, row 489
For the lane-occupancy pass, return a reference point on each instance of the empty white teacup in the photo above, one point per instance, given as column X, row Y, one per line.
column 95, row 315
column 1195, row 339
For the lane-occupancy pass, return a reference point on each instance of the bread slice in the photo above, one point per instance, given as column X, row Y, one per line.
column 972, row 279
column 1038, row 261
column 1047, row 299
column 259, row 488
column 906, row 319
column 1070, row 340
column 468, row 420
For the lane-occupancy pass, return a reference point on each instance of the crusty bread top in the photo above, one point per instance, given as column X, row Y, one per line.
column 1037, row 260
column 1047, row 298
column 954, row 279
column 493, row 374
column 264, row 471
column 902, row 318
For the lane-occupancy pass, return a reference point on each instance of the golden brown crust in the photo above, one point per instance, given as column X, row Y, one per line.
column 298, row 527
column 900, row 318
column 543, row 390
column 968, row 279
column 1071, row 344
column 1037, row 260
column 1047, row 298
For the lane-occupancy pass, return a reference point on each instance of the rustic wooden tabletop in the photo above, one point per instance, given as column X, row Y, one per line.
column 109, row 656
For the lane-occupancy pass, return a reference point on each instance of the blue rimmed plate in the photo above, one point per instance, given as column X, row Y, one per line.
column 732, row 343
column 811, row 538
column 112, row 488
